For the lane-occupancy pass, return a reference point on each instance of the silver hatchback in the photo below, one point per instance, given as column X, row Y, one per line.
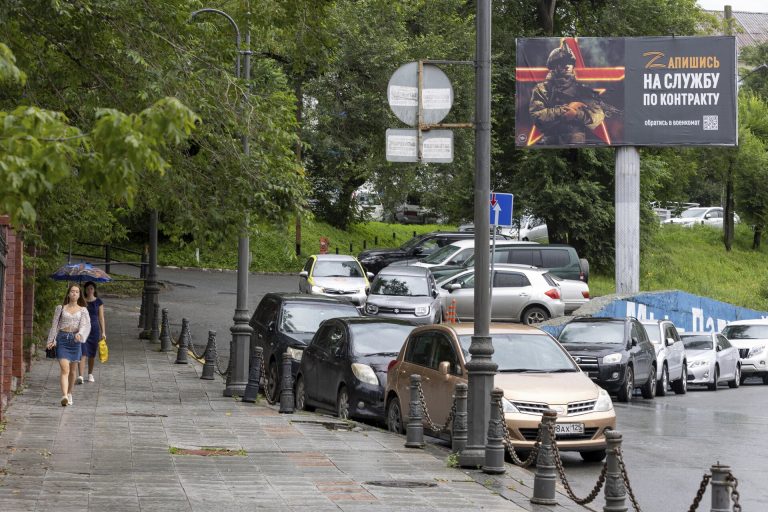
column 408, row 293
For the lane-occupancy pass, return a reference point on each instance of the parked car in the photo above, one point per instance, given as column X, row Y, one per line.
column 573, row 293
column 531, row 229
column 561, row 260
column 335, row 275
column 345, row 366
column 520, row 294
column 286, row 322
column 711, row 360
column 455, row 253
column 615, row 352
column 707, row 216
column 750, row 337
column 535, row 372
column 671, row 364
column 373, row 260
column 407, row 293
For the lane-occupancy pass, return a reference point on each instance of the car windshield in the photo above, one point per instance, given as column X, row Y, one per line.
column 653, row 332
column 306, row 317
column 697, row 342
column 337, row 269
column 441, row 254
column 746, row 332
column 536, row 353
column 379, row 338
column 401, row 286
column 593, row 333
column 413, row 242
column 693, row 213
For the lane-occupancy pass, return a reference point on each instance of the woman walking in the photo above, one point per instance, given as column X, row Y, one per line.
column 69, row 330
column 96, row 315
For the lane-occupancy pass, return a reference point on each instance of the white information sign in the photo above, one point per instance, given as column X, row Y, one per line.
column 436, row 146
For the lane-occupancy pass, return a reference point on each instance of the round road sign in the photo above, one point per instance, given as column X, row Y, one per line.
column 436, row 94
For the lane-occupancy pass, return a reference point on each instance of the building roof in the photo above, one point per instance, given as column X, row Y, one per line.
column 753, row 27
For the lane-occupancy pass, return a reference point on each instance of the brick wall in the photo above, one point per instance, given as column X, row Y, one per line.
column 12, row 316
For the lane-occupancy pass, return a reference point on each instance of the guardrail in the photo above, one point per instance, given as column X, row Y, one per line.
column 107, row 253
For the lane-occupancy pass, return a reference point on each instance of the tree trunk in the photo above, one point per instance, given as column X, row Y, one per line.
column 547, row 15
column 756, row 238
column 299, row 91
column 728, row 221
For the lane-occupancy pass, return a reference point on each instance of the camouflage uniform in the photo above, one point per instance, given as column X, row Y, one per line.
column 562, row 108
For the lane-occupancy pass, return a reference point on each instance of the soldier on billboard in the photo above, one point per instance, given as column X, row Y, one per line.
column 561, row 107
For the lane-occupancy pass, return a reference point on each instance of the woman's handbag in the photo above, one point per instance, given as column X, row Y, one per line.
column 103, row 351
column 50, row 353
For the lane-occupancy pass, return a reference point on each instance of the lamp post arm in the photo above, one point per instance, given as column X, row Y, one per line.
column 231, row 22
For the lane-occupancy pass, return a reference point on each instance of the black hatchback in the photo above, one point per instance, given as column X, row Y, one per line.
column 286, row 322
column 344, row 368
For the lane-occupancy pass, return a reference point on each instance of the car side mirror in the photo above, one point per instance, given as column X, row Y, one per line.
column 670, row 342
column 271, row 326
column 303, row 273
column 708, row 216
column 417, row 250
column 454, row 286
column 369, row 275
column 719, row 348
column 444, row 368
column 634, row 342
column 435, row 293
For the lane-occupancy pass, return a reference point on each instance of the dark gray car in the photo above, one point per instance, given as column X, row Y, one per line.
column 407, row 293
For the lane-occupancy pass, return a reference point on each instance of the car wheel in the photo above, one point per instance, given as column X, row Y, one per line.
column 742, row 378
column 395, row 416
column 625, row 391
column 663, row 384
column 535, row 315
column 713, row 385
column 301, row 395
column 736, row 382
column 593, row 456
column 649, row 388
column 342, row 404
column 681, row 386
column 273, row 381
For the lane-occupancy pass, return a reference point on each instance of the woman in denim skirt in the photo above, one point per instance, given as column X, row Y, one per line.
column 69, row 330
column 91, row 346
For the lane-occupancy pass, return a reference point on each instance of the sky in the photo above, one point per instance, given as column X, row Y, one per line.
column 738, row 5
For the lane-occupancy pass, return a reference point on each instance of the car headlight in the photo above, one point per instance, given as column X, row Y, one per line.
column 421, row 311
column 508, row 406
column 612, row 358
column 365, row 373
column 698, row 363
column 371, row 309
column 755, row 350
column 317, row 289
column 604, row 402
column 295, row 353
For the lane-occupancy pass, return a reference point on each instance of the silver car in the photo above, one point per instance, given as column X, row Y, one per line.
column 335, row 275
column 573, row 293
column 750, row 337
column 521, row 293
column 407, row 293
column 711, row 359
column 671, row 364
column 707, row 216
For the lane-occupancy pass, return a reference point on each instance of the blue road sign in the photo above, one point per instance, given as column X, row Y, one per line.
column 501, row 209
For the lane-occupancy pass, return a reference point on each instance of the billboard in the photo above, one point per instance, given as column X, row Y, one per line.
column 645, row 91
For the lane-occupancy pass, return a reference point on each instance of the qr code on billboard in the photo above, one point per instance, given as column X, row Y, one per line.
column 710, row 122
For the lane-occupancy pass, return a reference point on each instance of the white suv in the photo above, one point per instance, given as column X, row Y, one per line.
column 751, row 338
column 671, row 364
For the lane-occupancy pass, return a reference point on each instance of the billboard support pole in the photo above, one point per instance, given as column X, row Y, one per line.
column 627, row 180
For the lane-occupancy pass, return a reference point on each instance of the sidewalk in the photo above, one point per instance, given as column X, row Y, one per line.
column 112, row 450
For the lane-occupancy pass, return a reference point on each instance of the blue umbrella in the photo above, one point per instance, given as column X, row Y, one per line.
column 80, row 272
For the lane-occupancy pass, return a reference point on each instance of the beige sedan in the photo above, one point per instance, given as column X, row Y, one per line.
column 535, row 373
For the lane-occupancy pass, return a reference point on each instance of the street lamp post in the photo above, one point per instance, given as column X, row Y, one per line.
column 239, row 348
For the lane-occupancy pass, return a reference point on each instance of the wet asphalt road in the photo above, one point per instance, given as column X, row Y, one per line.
column 669, row 442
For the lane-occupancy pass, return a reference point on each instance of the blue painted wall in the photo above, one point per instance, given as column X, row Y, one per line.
column 688, row 312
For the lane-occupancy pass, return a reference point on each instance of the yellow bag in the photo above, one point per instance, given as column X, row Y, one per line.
column 103, row 350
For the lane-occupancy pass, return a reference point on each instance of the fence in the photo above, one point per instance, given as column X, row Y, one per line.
column 107, row 253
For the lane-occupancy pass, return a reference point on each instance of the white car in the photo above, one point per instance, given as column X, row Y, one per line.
column 521, row 293
column 532, row 229
column 711, row 360
column 335, row 275
column 751, row 338
column 573, row 293
column 671, row 364
column 706, row 216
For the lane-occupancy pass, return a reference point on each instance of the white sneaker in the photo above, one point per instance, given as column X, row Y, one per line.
column 64, row 401
column 69, row 398
column 79, row 379
column 90, row 378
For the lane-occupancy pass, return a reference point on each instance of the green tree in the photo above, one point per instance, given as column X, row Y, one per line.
column 756, row 75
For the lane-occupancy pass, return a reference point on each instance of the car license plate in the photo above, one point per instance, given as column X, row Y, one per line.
column 569, row 429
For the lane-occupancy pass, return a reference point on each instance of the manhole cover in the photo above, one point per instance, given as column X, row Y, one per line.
column 401, row 484
column 140, row 414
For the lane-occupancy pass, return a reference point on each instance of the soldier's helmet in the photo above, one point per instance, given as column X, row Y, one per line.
column 560, row 57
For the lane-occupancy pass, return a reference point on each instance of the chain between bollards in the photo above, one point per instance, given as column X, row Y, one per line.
column 209, row 367
column 165, row 333
column 287, row 402
column 254, row 376
column 414, row 431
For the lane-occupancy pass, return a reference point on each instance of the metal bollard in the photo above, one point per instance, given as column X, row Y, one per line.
column 615, row 491
column 154, row 335
column 209, row 368
column 287, row 403
column 494, row 445
column 545, row 478
column 181, row 354
column 143, row 308
column 165, row 333
column 459, row 427
column 414, row 430
column 254, row 376
column 721, row 488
